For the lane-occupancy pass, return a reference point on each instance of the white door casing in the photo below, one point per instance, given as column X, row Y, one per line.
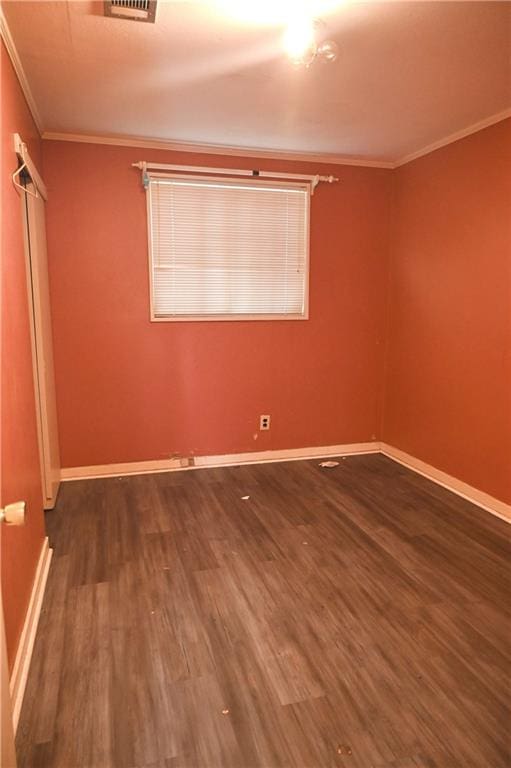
column 42, row 343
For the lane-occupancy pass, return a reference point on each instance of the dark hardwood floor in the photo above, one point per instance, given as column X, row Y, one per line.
column 355, row 616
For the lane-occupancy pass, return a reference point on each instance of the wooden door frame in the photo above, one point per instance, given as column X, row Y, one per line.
column 40, row 402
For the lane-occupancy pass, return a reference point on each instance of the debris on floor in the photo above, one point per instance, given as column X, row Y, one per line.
column 225, row 711
column 344, row 749
column 329, row 464
column 244, row 498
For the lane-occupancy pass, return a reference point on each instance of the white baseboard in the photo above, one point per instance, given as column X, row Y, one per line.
column 482, row 499
column 287, row 454
column 26, row 643
column 225, row 460
column 116, row 470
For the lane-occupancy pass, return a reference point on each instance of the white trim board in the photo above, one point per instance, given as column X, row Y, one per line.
column 275, row 154
column 225, row 460
column 148, row 143
column 217, row 149
column 468, row 492
column 5, row 35
column 26, row 642
column 468, row 131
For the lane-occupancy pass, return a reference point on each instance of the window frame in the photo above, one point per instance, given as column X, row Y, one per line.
column 230, row 317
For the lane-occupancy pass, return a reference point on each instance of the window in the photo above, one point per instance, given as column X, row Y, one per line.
column 225, row 249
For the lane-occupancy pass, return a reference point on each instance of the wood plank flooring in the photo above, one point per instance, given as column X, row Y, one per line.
column 356, row 616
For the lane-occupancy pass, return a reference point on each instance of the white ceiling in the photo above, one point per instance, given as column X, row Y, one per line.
column 408, row 74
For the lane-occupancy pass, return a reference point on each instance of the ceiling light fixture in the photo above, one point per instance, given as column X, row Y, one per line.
column 299, row 40
column 302, row 46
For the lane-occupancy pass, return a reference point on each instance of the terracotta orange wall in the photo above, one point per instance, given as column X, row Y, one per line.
column 131, row 390
column 20, row 478
column 448, row 383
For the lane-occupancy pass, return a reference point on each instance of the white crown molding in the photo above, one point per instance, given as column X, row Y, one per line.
column 454, row 137
column 220, row 149
column 309, row 157
column 215, row 149
column 5, row 35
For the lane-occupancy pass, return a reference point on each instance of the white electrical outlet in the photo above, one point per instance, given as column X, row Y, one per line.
column 264, row 422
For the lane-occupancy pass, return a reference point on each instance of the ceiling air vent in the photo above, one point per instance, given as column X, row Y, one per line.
column 135, row 10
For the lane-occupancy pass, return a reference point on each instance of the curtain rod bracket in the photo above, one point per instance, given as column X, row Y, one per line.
column 145, row 176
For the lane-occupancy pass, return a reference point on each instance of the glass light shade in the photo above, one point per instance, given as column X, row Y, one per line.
column 328, row 51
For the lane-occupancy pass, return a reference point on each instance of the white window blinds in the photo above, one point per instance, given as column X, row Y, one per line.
column 228, row 249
